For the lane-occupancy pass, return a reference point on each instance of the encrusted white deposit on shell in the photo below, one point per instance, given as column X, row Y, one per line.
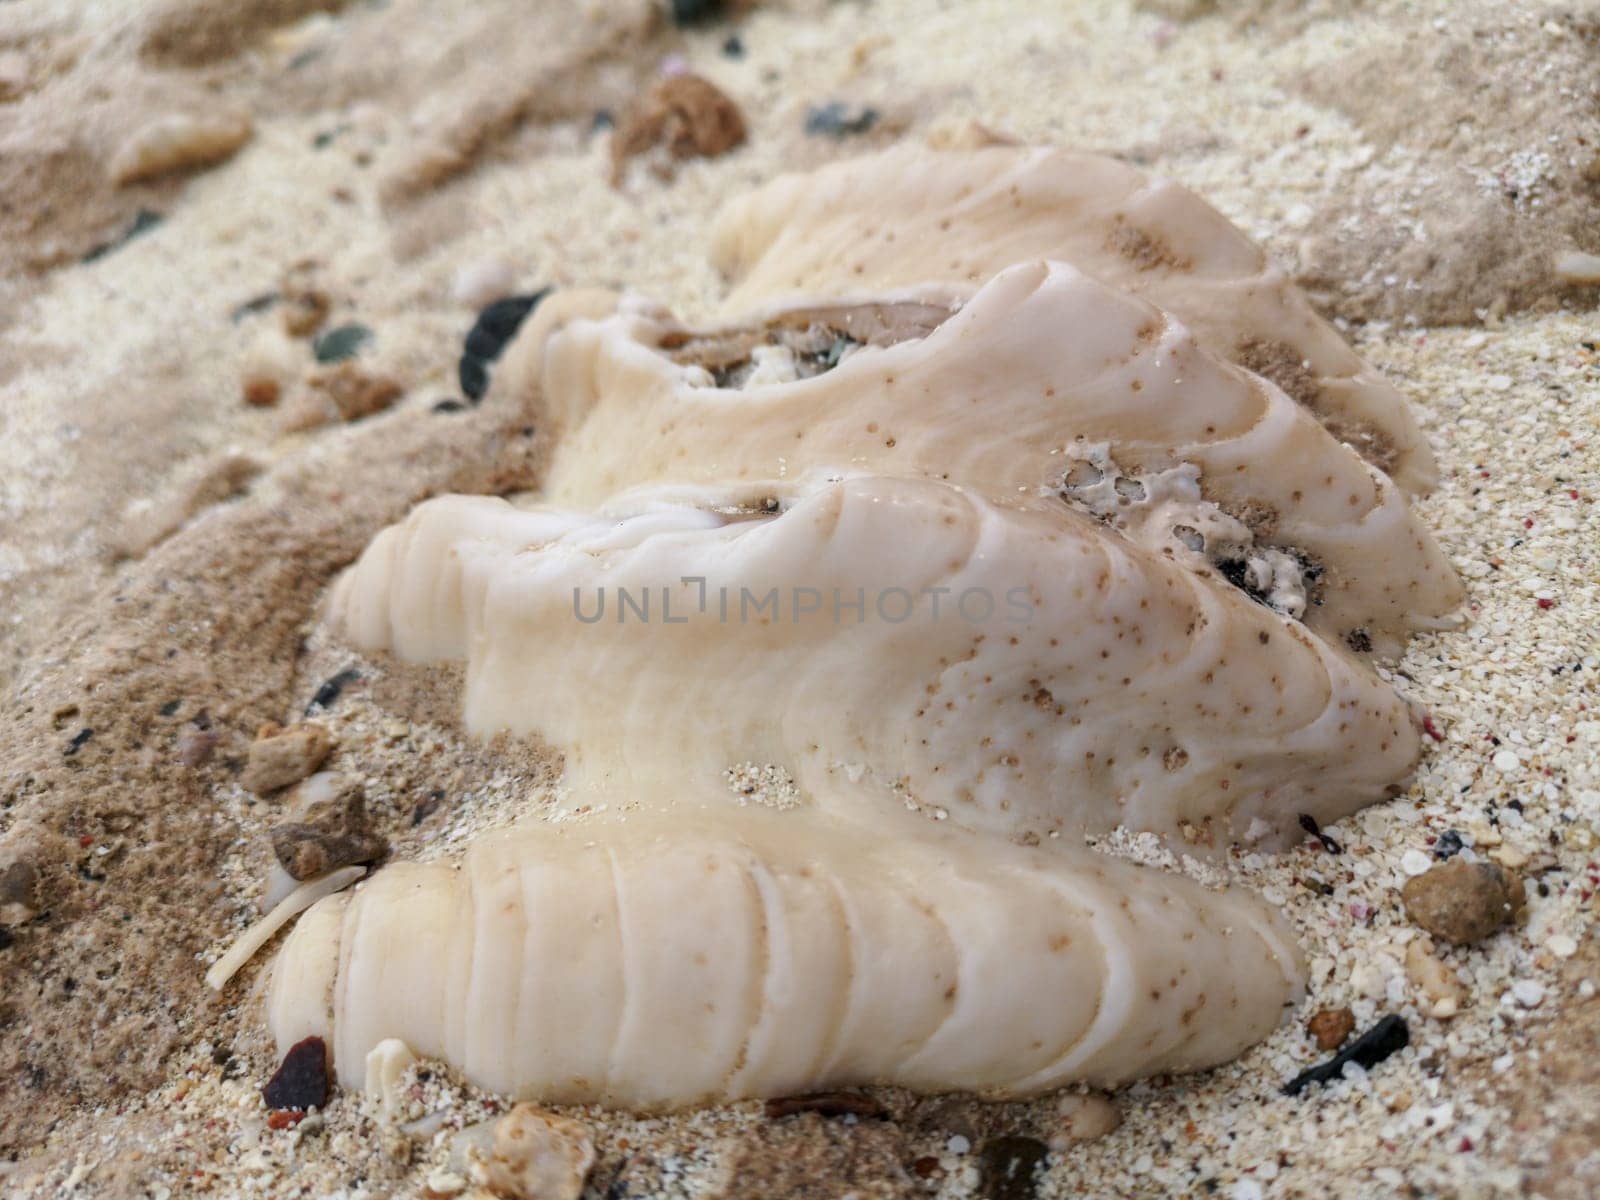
column 974, row 552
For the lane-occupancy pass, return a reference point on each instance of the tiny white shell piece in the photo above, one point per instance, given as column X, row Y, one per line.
column 387, row 1063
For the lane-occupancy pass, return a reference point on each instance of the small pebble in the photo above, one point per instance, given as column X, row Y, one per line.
column 331, row 688
column 1562, row 946
column 301, row 1080
column 958, row 1144
column 356, row 392
column 340, row 343
column 1415, row 862
column 1435, row 980
column 19, row 893
column 1528, row 992
column 332, row 832
column 838, row 120
column 1461, row 902
column 1083, row 1118
column 280, row 757
column 261, row 392
column 195, row 746
column 1330, row 1027
column 252, row 306
column 690, row 116
column 305, row 307
column 1506, row 761
column 536, row 1155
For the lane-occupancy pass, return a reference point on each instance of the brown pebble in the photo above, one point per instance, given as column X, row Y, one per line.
column 279, row 758
column 331, row 833
column 195, row 746
column 689, row 115
column 304, row 310
column 1330, row 1027
column 261, row 392
column 19, row 893
column 355, row 391
column 1463, row 902
column 537, row 1155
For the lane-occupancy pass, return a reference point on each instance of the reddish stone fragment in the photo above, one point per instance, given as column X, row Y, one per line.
column 301, row 1080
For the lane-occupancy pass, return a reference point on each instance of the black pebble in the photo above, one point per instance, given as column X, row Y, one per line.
column 256, row 304
column 695, row 12
column 733, row 47
column 473, row 376
column 1008, row 1167
column 504, row 317
column 482, row 343
column 603, row 119
column 837, row 120
column 496, row 325
column 426, row 807
column 301, row 1081
column 329, row 691
column 448, row 406
column 1368, row 1050
column 1309, row 824
column 6, row 938
column 143, row 222
column 78, row 739
column 340, row 343
column 170, row 707
column 1448, row 845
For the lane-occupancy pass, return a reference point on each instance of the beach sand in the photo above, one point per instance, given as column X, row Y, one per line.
column 164, row 545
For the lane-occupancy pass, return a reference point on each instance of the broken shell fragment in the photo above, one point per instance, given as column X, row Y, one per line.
column 851, row 613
